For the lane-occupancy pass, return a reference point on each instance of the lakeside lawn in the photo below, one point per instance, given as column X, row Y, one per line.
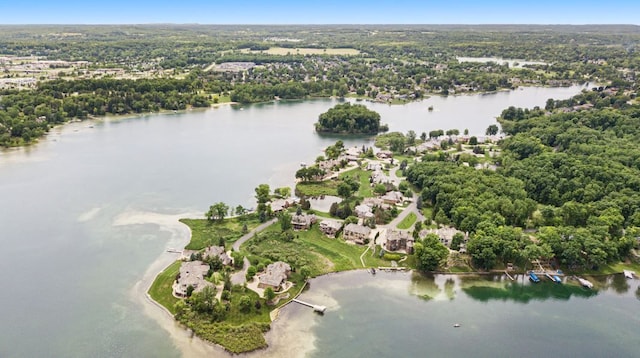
column 317, row 188
column 161, row 291
column 206, row 233
column 309, row 248
column 365, row 190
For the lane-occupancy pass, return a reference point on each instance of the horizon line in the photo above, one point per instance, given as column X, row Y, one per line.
column 322, row 24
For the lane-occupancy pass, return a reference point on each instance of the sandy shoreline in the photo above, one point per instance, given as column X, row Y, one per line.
column 288, row 336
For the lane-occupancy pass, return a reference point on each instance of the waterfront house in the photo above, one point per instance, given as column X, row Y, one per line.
column 192, row 273
column 302, row 221
column 275, row 276
column 219, row 252
column 280, row 205
column 356, row 233
column 398, row 240
column 330, row 227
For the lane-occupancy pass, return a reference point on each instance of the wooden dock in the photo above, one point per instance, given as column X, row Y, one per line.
column 509, row 276
column 316, row 308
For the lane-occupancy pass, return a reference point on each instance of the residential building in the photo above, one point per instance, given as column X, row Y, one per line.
column 218, row 251
column 398, row 240
column 356, row 233
column 363, row 211
column 281, row 204
column 392, row 198
column 384, row 154
column 275, row 276
column 302, row 221
column 330, row 227
column 192, row 273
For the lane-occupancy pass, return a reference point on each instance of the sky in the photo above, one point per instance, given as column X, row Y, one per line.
column 320, row 12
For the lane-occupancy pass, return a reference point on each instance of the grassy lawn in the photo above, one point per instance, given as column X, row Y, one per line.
column 310, row 248
column 161, row 290
column 407, row 222
column 315, row 189
column 206, row 233
column 365, row 190
column 615, row 268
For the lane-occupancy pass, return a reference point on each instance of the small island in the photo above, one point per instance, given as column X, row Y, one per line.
column 347, row 118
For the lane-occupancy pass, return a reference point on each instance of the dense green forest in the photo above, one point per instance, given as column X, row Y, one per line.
column 572, row 176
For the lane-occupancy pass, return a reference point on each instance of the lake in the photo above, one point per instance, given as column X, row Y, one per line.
column 87, row 214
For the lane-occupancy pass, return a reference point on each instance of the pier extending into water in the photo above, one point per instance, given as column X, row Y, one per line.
column 316, row 308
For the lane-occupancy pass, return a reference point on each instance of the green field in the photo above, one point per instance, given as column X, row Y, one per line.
column 365, row 190
column 206, row 233
column 161, row 290
column 312, row 249
column 407, row 222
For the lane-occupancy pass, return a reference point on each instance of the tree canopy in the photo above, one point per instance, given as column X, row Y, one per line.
column 350, row 119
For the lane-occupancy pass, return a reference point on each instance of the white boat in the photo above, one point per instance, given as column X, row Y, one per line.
column 629, row 274
column 585, row 283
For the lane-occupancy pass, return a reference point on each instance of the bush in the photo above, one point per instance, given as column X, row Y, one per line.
column 391, row 257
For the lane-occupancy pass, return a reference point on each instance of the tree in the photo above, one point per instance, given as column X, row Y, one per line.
column 411, row 138
column 217, row 211
column 251, row 271
column 492, row 130
column 380, row 189
column 284, row 219
column 345, row 190
column 305, row 272
column 466, row 131
column 269, row 295
column 244, row 304
column 457, row 239
column 283, row 192
column 431, row 253
column 240, row 210
column 473, row 140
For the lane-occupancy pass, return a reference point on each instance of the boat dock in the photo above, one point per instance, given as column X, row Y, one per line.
column 509, row 276
column 316, row 308
column 392, row 268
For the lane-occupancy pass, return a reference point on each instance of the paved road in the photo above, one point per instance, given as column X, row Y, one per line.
column 240, row 277
column 242, row 240
column 412, row 208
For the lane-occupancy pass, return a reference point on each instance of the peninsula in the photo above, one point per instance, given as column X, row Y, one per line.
column 438, row 202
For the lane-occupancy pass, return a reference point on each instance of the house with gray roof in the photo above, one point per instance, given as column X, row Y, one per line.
column 192, row 273
column 275, row 276
column 356, row 233
column 399, row 240
column 363, row 211
column 219, row 252
column 330, row 227
column 303, row 221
